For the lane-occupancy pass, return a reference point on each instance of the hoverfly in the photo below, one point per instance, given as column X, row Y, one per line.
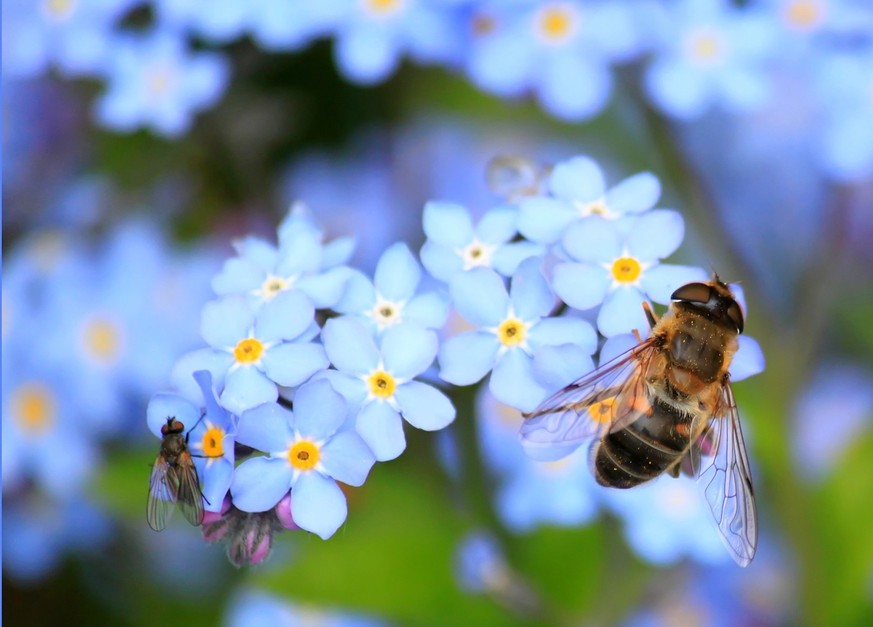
column 174, row 480
column 663, row 406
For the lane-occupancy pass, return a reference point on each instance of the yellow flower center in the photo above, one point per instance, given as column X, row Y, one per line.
column 602, row 411
column 511, row 332
column 706, row 46
column 272, row 286
column 556, row 22
column 102, row 340
column 59, row 9
column 382, row 384
column 382, row 8
column 304, row 455
column 34, row 407
column 385, row 313
column 248, row 351
column 483, row 24
column 213, row 442
column 477, row 254
column 803, row 14
column 595, row 208
column 626, row 270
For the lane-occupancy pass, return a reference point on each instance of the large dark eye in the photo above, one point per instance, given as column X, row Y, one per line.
column 693, row 293
column 736, row 315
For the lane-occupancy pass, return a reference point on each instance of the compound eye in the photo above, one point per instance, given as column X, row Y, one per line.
column 735, row 314
column 693, row 293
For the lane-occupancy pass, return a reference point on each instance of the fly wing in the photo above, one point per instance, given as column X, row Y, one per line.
column 188, row 495
column 161, row 495
column 605, row 400
column 726, row 479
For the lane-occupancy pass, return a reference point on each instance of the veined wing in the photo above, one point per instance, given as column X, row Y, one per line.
column 607, row 399
column 189, row 498
column 726, row 480
column 161, row 495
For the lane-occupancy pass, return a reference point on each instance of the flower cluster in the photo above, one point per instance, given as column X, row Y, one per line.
column 691, row 57
column 312, row 366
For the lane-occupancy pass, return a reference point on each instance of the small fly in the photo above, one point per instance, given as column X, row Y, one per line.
column 174, row 480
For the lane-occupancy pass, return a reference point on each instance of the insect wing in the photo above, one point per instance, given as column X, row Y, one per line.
column 726, row 480
column 161, row 495
column 605, row 400
column 189, row 498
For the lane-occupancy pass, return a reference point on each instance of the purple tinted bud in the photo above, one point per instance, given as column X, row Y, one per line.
column 283, row 513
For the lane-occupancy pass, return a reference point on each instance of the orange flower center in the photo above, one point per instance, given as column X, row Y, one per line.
column 248, row 351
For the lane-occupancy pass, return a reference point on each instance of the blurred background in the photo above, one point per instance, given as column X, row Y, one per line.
column 140, row 138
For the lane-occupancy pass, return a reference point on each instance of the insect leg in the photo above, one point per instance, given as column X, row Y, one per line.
column 650, row 315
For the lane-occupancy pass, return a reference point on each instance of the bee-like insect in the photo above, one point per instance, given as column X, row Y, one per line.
column 174, row 480
column 663, row 406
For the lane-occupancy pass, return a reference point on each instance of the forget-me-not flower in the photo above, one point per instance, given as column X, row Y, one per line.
column 513, row 331
column 454, row 244
column 622, row 271
column 578, row 190
column 380, row 381
column 391, row 297
column 308, row 451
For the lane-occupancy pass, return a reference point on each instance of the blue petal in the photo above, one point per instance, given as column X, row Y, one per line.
column 480, row 297
column 423, row 406
column 429, row 310
column 466, row 358
column 498, row 225
column 225, row 322
column 748, row 360
column 238, row 276
column 579, row 179
column 635, row 194
column 216, row 483
column 214, row 411
column 448, row 224
column 574, row 88
column 182, row 375
column 408, row 349
column 318, row 505
column 366, row 55
column 347, row 458
column 543, row 219
column 266, row 428
column 555, row 331
column 581, row 285
column 351, row 388
column 440, row 261
column 247, row 387
column 513, row 381
column 284, row 317
column 318, row 410
column 656, row 235
column 558, row 366
column 358, row 296
column 324, row 290
column 259, row 252
column 660, row 281
column 617, row 345
column 676, row 89
column 337, row 252
column 622, row 312
column 594, row 240
column 299, row 253
column 163, row 406
column 508, row 257
column 259, row 483
column 529, row 292
column 381, row 427
column 350, row 345
column 291, row 363
column 397, row 273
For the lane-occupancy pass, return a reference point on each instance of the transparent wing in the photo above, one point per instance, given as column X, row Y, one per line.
column 189, row 498
column 607, row 399
column 726, row 479
column 161, row 495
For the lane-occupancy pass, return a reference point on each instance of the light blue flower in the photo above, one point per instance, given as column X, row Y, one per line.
column 218, row 21
column 153, row 81
column 254, row 608
column 301, row 263
column 308, row 450
column 666, row 520
column 254, row 352
column 711, row 54
column 514, row 337
column 480, row 565
column 578, row 190
column 373, row 35
column 279, row 25
column 380, row 381
column 391, row 297
column 560, row 50
column 621, row 271
column 77, row 37
column 454, row 244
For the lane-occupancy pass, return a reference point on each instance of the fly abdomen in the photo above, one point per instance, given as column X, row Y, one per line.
column 644, row 449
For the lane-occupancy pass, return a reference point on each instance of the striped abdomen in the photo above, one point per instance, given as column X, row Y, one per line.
column 644, row 449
